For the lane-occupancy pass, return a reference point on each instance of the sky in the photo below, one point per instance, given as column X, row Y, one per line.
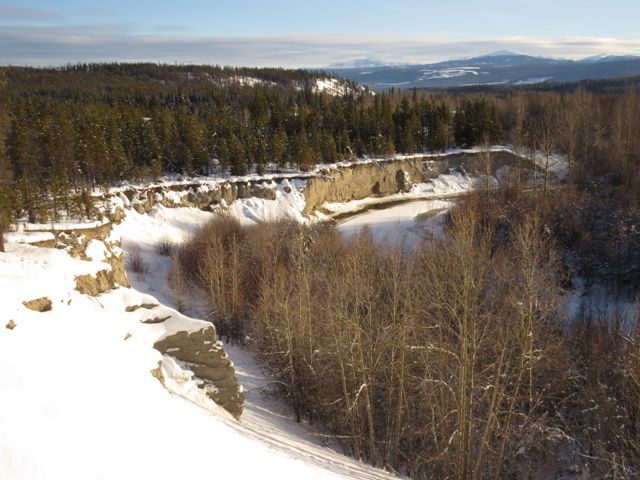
column 305, row 33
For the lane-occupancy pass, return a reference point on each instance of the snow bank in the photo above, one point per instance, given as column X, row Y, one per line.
column 288, row 205
column 28, row 237
column 28, row 272
column 404, row 224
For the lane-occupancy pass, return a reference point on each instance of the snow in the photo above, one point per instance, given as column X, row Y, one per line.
column 28, row 273
column 61, row 225
column 602, row 302
column 288, row 205
column 78, row 400
column 28, row 237
column 251, row 81
column 406, row 224
column 332, row 86
column 558, row 164
column 448, row 73
column 533, row 80
column 96, row 251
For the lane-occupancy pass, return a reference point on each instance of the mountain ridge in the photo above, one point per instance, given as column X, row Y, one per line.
column 497, row 68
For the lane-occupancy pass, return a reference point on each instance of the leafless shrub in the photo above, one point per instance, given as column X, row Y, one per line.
column 178, row 279
column 164, row 246
column 135, row 261
column 439, row 363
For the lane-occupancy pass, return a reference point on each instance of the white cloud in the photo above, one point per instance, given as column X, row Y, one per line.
column 12, row 12
column 39, row 45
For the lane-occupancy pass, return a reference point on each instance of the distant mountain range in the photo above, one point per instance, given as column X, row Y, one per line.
column 362, row 63
column 498, row 68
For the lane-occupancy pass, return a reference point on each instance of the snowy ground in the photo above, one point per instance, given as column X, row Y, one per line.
column 265, row 420
column 406, row 224
column 77, row 398
column 602, row 302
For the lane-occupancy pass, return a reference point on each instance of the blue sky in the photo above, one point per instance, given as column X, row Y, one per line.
column 304, row 33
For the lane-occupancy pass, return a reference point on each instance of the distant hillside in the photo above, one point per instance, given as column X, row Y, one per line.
column 499, row 68
column 607, row 85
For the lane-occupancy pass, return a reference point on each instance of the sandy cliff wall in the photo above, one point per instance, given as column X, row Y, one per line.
column 340, row 183
column 358, row 181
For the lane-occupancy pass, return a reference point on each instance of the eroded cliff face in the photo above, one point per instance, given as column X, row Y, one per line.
column 198, row 349
column 203, row 195
column 386, row 177
column 94, row 243
column 358, row 181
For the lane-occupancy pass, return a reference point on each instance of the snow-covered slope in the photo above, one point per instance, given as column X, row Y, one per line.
column 84, row 395
column 265, row 419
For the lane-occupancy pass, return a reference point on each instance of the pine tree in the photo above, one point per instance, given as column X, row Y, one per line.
column 22, row 154
column 237, row 156
column 279, row 147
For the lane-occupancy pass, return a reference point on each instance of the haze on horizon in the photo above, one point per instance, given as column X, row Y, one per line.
column 301, row 34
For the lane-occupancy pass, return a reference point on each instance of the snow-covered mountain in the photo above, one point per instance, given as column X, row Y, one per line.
column 607, row 58
column 497, row 68
column 361, row 63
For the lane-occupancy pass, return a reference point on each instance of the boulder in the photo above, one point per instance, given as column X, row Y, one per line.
column 42, row 304
column 95, row 285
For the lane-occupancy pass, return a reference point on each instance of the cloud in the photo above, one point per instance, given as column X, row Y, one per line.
column 95, row 12
column 11, row 12
column 41, row 45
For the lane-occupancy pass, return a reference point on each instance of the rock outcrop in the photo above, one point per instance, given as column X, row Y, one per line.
column 76, row 242
column 203, row 195
column 39, row 304
column 358, row 181
column 94, row 285
column 201, row 353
